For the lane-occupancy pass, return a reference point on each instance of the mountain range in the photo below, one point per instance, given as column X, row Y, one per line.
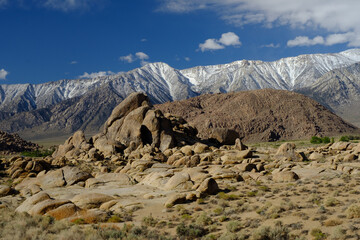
column 65, row 106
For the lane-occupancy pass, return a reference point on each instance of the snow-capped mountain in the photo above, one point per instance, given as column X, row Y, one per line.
column 160, row 81
column 85, row 103
column 287, row 73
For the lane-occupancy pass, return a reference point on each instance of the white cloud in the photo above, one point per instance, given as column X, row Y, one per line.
column 210, row 44
column 3, row 74
column 96, row 74
column 305, row 41
column 68, row 5
column 129, row 58
column 351, row 38
column 333, row 16
column 143, row 40
column 73, row 62
column 141, row 55
column 271, row 45
column 138, row 56
column 187, row 59
column 230, row 39
column 180, row 6
column 227, row 39
column 337, row 38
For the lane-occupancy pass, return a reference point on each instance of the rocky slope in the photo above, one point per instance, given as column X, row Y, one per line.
column 11, row 143
column 87, row 112
column 259, row 115
column 339, row 90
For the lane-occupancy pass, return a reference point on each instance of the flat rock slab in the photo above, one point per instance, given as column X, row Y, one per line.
column 313, row 173
column 91, row 200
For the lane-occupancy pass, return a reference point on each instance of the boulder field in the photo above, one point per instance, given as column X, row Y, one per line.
column 145, row 162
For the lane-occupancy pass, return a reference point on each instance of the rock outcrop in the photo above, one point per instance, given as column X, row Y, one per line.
column 133, row 123
column 11, row 143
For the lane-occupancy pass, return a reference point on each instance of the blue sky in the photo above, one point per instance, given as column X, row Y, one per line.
column 49, row 40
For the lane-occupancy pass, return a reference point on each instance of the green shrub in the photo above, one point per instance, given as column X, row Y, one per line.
column 115, row 219
column 353, row 211
column 150, row 221
column 190, row 231
column 278, row 232
column 344, row 139
column 233, row 226
column 38, row 153
column 203, row 220
column 318, row 140
column 315, row 140
column 318, row 234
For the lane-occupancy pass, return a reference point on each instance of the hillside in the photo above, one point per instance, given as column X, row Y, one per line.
column 259, row 115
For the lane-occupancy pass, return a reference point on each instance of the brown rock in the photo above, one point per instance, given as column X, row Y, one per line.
column 91, row 200
column 208, row 186
column 287, row 151
column 30, row 202
column 44, row 206
column 285, row 176
column 341, row 146
column 245, row 167
column 64, row 211
column 175, row 199
column 52, row 179
column 4, row 190
column 224, row 136
column 357, row 149
column 73, row 175
column 239, row 145
column 201, row 148
column 350, row 157
column 179, row 181
column 90, row 216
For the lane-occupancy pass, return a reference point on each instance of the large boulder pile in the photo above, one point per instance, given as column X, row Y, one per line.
column 133, row 123
column 11, row 143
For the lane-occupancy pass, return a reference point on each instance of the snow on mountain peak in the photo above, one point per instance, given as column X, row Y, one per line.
column 164, row 83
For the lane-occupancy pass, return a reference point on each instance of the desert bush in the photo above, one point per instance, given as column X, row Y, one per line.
column 318, row 234
column 353, row 211
column 232, row 236
column 203, row 220
column 331, row 202
column 224, row 196
column 278, row 232
column 234, row 226
column 190, row 231
column 23, row 226
column 150, row 221
column 115, row 219
column 332, row 222
column 339, row 234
